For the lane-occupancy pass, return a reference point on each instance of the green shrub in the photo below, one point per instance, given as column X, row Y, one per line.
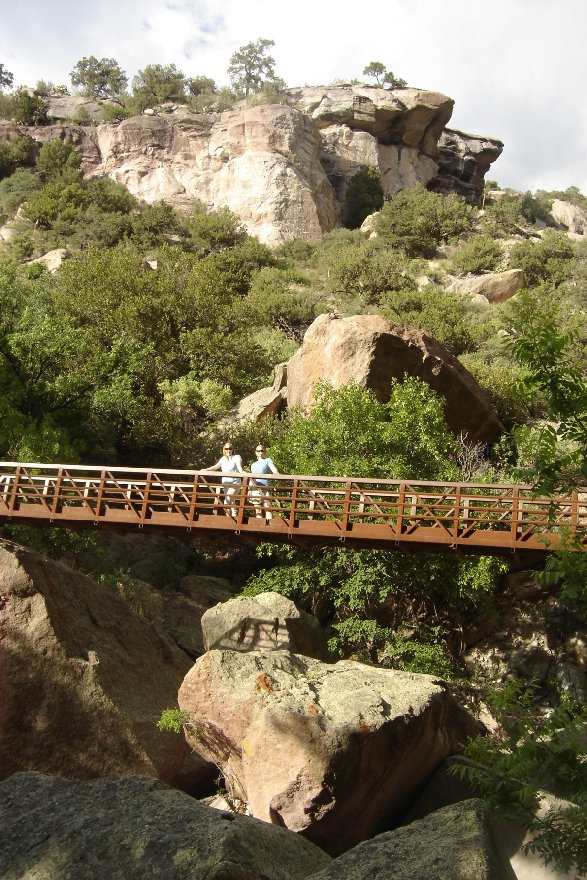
column 416, row 655
column 25, row 108
column 417, row 221
column 442, row 315
column 481, row 253
column 550, row 259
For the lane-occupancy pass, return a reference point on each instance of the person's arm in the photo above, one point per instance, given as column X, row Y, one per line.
column 214, row 467
column 239, row 463
column 272, row 466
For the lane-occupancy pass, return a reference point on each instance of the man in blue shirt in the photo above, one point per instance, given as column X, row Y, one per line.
column 261, row 487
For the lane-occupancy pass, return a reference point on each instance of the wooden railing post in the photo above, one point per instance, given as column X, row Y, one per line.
column 294, row 499
column 515, row 515
column 56, row 499
column 457, row 516
column 15, row 488
column 400, row 509
column 346, row 507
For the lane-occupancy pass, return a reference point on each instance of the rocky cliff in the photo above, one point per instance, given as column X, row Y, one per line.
column 283, row 168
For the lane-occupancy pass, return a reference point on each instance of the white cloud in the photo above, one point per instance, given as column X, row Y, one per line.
column 515, row 68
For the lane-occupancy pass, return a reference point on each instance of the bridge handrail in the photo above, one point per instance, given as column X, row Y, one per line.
column 192, row 472
column 364, row 510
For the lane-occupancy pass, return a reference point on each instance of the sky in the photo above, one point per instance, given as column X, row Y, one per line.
column 516, row 69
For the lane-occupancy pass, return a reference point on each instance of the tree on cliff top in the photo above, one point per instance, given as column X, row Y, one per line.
column 98, row 78
column 383, row 77
column 158, row 83
column 250, row 67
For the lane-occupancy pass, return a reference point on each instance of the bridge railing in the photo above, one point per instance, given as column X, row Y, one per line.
column 316, row 508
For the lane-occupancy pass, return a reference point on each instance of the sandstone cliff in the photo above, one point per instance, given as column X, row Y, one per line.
column 283, row 168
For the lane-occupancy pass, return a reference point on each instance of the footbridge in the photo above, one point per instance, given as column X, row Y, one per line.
column 407, row 515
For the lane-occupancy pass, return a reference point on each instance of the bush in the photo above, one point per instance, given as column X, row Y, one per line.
column 417, row 221
column 481, row 253
column 442, row 315
column 549, row 260
column 26, row 109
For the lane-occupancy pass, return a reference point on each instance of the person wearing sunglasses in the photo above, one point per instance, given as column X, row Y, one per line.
column 230, row 465
column 261, row 491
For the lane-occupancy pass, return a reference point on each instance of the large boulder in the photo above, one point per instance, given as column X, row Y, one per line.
column 84, row 679
column 336, row 752
column 266, row 622
column 496, row 287
column 372, row 351
column 134, row 827
column 570, row 217
column 455, row 843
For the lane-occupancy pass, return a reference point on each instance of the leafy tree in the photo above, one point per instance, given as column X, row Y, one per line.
column 364, row 196
column 442, row 315
column 215, row 231
column 368, row 271
column 382, row 76
column 98, row 78
column 198, row 85
column 158, row 83
column 6, row 78
column 251, row 66
column 417, row 221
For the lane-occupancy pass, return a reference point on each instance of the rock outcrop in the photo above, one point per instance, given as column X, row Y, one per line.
column 463, row 160
column 84, row 679
column 282, row 168
column 137, row 828
column 372, row 351
column 330, row 751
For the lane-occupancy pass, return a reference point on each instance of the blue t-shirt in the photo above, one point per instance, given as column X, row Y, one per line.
column 262, row 466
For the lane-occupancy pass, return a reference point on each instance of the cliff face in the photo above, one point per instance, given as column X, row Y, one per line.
column 283, row 168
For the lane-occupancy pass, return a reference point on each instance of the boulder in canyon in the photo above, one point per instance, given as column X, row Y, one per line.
column 372, row 351
column 332, row 751
column 84, row 679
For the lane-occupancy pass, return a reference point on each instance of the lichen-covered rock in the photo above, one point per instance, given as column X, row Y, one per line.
column 84, row 679
column 455, row 843
column 134, row 827
column 333, row 751
column 266, row 622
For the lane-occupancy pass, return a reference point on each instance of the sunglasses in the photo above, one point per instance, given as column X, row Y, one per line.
column 228, row 448
column 259, row 450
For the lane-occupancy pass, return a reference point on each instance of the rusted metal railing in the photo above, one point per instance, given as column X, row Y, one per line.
column 308, row 510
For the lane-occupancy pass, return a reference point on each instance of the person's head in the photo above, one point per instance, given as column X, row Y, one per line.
column 260, row 450
column 228, row 449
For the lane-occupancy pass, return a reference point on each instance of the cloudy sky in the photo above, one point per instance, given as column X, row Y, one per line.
column 516, row 69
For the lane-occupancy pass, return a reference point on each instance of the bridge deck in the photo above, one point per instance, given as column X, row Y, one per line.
column 306, row 510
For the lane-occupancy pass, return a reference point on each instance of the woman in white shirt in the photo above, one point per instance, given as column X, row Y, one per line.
column 230, row 465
